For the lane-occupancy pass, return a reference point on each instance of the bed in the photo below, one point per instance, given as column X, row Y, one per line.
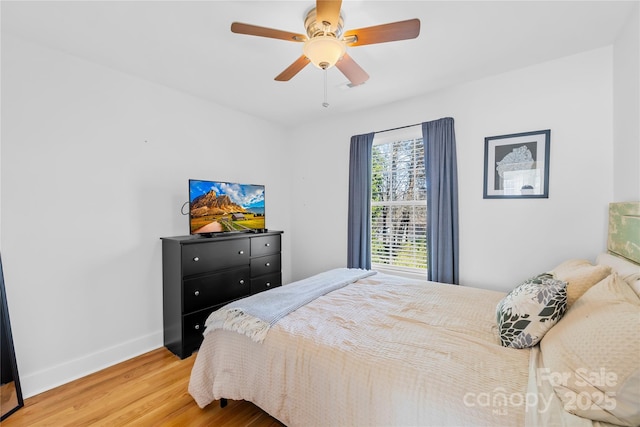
column 382, row 350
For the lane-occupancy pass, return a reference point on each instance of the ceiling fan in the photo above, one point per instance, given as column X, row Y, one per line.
column 325, row 44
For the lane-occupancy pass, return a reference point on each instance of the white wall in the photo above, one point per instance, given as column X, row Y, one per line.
column 502, row 241
column 95, row 166
column 626, row 110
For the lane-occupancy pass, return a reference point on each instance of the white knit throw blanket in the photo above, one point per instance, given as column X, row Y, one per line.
column 253, row 316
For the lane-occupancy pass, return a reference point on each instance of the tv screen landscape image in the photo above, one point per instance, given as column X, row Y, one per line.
column 217, row 207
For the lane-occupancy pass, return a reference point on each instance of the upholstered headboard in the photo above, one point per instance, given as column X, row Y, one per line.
column 624, row 230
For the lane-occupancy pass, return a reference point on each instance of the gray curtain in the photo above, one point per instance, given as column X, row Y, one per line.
column 442, row 200
column 359, row 220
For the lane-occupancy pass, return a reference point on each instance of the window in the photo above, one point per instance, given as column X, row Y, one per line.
column 398, row 202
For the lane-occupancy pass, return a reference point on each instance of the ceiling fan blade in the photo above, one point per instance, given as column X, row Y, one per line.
column 293, row 69
column 254, row 30
column 352, row 70
column 394, row 31
column 328, row 11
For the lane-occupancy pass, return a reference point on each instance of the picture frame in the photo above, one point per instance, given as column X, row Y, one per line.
column 516, row 166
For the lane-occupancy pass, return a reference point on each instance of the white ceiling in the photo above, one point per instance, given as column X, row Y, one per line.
column 187, row 45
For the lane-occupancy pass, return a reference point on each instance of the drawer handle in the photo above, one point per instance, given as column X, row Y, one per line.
column 241, row 281
column 196, row 293
column 267, row 264
column 241, row 253
column 267, row 244
column 268, row 285
column 197, row 327
column 196, row 259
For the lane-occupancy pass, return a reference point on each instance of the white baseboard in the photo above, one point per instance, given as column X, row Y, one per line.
column 63, row 373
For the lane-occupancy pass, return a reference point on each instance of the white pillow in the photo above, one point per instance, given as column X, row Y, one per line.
column 592, row 354
column 580, row 275
column 627, row 270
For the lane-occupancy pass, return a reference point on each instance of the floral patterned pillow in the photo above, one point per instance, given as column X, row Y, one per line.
column 530, row 310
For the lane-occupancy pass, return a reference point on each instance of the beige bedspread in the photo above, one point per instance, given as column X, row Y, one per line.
column 382, row 351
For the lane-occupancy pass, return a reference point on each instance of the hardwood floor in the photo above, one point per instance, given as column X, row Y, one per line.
column 149, row 390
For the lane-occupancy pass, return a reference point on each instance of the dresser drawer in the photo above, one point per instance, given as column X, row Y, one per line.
column 264, row 283
column 265, row 245
column 192, row 330
column 203, row 257
column 265, row 265
column 213, row 289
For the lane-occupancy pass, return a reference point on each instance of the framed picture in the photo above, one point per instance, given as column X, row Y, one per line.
column 517, row 165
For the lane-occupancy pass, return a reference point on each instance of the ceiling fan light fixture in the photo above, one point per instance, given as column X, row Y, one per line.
column 325, row 44
column 324, row 51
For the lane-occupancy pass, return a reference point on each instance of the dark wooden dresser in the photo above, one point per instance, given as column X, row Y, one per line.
column 201, row 274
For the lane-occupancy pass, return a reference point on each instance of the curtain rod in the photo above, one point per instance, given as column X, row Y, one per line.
column 400, row 127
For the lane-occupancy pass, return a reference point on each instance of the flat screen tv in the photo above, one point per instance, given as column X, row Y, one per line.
column 218, row 207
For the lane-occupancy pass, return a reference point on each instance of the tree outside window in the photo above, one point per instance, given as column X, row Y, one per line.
column 398, row 205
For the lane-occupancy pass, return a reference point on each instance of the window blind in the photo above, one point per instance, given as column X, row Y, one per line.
column 398, row 203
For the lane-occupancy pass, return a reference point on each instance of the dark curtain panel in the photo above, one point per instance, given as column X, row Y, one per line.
column 442, row 200
column 359, row 221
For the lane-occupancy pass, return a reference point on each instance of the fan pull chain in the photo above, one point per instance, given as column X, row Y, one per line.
column 325, row 104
